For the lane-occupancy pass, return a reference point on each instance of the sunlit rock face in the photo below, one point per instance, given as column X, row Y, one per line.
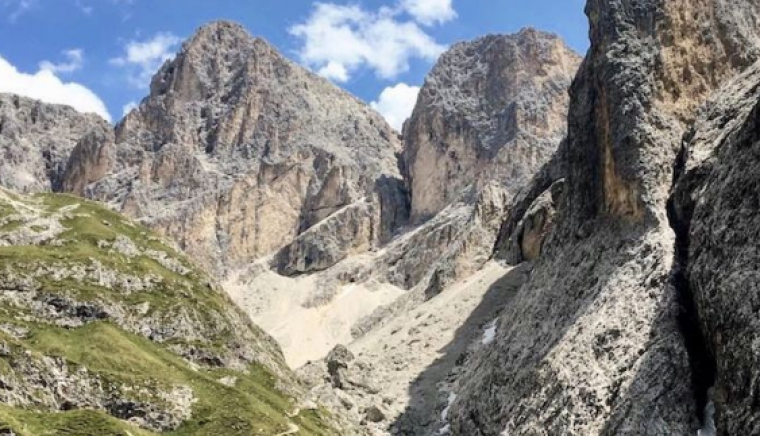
column 238, row 153
column 492, row 110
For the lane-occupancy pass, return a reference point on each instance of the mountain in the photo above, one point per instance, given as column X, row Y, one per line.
column 529, row 261
column 238, row 154
column 36, row 139
column 616, row 330
column 490, row 114
column 107, row 329
column 492, row 110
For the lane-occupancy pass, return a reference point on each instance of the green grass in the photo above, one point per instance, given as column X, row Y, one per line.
column 88, row 225
column 124, row 360
column 10, row 225
column 252, row 406
column 74, row 423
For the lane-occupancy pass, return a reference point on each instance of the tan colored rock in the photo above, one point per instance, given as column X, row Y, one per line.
column 237, row 152
column 88, row 161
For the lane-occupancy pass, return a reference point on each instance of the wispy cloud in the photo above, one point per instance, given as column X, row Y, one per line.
column 85, row 8
column 142, row 59
column 74, row 61
column 127, row 108
column 430, row 12
column 17, row 8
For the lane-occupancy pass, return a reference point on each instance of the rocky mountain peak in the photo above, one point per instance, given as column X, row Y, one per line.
column 237, row 152
column 492, row 109
column 212, row 61
column 609, row 314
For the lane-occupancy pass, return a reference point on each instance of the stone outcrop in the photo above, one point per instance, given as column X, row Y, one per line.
column 239, row 153
column 36, row 139
column 715, row 215
column 602, row 338
column 492, row 110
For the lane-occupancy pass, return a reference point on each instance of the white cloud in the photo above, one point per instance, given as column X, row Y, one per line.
column 396, row 104
column 74, row 62
column 337, row 40
column 334, row 71
column 143, row 58
column 430, row 12
column 46, row 86
column 127, row 108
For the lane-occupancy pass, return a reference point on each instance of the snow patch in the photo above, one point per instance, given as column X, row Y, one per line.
column 446, row 429
column 445, row 412
column 708, row 429
column 489, row 332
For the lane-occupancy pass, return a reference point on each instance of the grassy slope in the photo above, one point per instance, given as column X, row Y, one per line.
column 253, row 406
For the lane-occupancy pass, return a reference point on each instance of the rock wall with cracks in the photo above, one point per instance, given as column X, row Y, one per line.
column 596, row 341
column 716, row 206
column 36, row 139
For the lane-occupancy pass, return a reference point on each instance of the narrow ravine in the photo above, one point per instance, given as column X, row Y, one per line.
column 701, row 359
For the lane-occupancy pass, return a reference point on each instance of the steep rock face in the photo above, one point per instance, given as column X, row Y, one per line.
column 36, row 139
column 716, row 214
column 600, row 339
column 491, row 112
column 351, row 297
column 493, row 109
column 238, row 151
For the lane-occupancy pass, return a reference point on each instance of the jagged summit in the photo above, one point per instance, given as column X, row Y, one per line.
column 237, row 152
column 219, row 29
column 223, row 51
column 525, row 36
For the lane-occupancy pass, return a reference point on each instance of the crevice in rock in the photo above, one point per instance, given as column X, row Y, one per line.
column 701, row 359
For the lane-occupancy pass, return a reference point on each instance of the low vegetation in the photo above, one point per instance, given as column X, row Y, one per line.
column 228, row 379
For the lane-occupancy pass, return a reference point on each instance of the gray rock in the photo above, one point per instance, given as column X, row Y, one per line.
column 36, row 139
column 338, row 361
column 594, row 343
column 374, row 414
column 492, row 111
column 716, row 216
column 490, row 114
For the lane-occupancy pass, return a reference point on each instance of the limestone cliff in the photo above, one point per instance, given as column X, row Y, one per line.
column 36, row 139
column 715, row 214
column 238, row 153
column 492, row 110
column 603, row 339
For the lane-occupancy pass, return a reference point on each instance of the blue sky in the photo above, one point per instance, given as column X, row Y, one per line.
column 98, row 55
